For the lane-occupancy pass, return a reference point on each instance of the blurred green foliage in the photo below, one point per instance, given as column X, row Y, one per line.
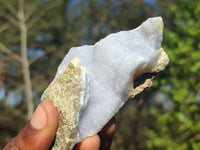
column 144, row 123
column 179, row 128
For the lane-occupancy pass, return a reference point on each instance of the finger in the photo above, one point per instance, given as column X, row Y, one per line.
column 39, row 132
column 89, row 143
column 106, row 135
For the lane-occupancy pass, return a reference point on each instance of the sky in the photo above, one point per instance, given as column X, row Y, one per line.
column 72, row 3
column 2, row 93
column 150, row 2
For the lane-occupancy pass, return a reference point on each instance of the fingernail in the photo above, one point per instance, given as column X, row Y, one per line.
column 39, row 118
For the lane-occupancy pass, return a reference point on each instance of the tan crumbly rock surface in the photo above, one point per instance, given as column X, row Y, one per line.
column 61, row 93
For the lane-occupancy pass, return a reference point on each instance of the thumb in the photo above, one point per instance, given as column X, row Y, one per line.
column 39, row 132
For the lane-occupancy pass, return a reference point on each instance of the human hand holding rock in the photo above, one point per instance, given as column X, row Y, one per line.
column 40, row 131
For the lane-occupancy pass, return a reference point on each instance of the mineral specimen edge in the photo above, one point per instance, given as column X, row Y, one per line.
column 93, row 82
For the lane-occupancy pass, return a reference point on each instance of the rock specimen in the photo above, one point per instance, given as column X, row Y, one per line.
column 94, row 81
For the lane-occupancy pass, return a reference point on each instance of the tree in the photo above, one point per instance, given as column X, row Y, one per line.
column 179, row 128
column 23, row 17
column 70, row 24
column 57, row 31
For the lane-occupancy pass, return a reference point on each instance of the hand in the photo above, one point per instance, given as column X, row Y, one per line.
column 40, row 131
column 101, row 141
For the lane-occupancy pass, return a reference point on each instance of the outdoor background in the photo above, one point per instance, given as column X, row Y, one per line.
column 35, row 35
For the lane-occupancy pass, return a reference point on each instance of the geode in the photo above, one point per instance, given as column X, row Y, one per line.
column 94, row 81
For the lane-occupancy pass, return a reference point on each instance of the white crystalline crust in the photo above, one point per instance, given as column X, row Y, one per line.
column 111, row 65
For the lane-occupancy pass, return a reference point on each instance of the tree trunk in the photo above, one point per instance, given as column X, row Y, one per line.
column 25, row 63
